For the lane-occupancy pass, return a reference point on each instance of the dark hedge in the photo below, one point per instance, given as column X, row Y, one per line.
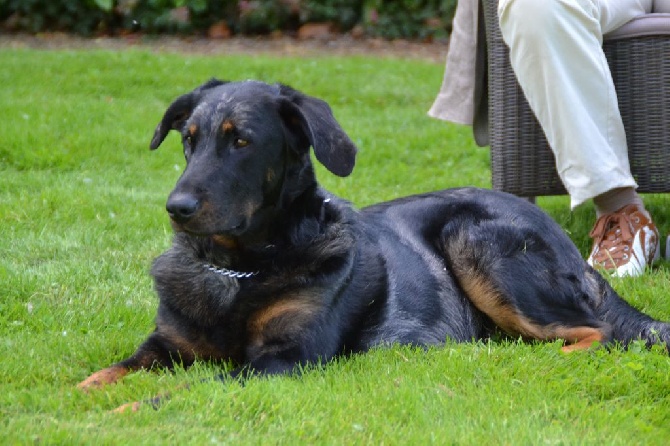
column 409, row 19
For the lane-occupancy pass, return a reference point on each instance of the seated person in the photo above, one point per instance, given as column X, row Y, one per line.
column 556, row 53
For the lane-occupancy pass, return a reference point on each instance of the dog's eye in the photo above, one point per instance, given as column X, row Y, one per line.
column 187, row 140
column 239, row 143
column 188, row 146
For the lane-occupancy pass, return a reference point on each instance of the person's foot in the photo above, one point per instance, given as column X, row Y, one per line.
column 624, row 242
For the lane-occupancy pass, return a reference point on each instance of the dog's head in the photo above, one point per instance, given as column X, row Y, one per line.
column 247, row 151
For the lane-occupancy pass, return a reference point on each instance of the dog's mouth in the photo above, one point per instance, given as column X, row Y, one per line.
column 249, row 227
column 226, row 241
column 206, row 220
column 232, row 232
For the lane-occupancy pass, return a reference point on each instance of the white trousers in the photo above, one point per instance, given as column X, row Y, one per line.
column 556, row 53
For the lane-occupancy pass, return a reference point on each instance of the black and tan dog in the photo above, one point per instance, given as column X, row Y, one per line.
column 271, row 272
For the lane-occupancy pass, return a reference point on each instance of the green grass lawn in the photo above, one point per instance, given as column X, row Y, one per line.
column 82, row 216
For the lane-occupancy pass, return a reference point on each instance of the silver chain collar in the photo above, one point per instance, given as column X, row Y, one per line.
column 228, row 272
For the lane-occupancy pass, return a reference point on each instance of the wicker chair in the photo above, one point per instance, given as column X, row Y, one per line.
column 639, row 58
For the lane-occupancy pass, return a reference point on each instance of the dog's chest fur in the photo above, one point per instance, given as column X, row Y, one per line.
column 237, row 309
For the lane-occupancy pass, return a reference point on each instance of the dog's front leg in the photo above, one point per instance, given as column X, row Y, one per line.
column 155, row 351
column 286, row 335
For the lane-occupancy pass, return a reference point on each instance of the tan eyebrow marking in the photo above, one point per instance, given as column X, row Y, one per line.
column 192, row 129
column 227, row 126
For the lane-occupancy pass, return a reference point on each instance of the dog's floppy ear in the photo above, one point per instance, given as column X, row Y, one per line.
column 314, row 119
column 179, row 111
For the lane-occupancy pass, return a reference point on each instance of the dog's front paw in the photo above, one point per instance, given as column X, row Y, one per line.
column 154, row 403
column 128, row 407
column 103, row 377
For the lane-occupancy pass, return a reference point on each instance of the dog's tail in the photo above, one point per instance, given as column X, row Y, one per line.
column 628, row 323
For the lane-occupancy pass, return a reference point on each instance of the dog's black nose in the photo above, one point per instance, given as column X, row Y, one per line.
column 182, row 207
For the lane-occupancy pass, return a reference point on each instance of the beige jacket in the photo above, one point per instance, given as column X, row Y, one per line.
column 462, row 98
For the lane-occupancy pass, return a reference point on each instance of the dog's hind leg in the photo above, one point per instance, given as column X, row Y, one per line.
column 579, row 338
column 523, row 285
column 628, row 323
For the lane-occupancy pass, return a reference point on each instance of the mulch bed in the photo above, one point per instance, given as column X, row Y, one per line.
column 283, row 46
